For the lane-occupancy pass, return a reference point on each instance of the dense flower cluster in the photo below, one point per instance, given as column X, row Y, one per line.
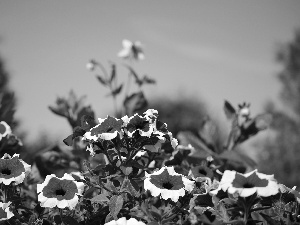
column 151, row 131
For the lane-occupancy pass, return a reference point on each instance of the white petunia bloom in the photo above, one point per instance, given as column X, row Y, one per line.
column 247, row 184
column 13, row 169
column 107, row 129
column 167, row 183
column 61, row 192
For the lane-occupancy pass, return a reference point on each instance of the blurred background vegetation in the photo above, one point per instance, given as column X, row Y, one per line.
column 281, row 151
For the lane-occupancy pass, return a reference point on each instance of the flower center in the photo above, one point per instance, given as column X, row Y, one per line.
column 248, row 185
column 202, row 171
column 167, row 185
column 60, row 192
column 6, row 171
column 109, row 129
column 142, row 125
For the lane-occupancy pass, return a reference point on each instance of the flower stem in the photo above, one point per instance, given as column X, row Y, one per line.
column 61, row 216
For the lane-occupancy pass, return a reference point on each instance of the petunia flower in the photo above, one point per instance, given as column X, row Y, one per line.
column 107, row 129
column 4, row 129
column 131, row 50
column 13, row 169
column 140, row 124
column 151, row 114
column 247, row 184
column 167, row 183
column 201, row 171
column 61, row 192
column 5, row 212
column 123, row 221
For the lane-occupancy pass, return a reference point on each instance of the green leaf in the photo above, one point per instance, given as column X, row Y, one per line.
column 102, row 80
column 270, row 220
column 148, row 80
column 135, row 102
column 238, row 157
column 126, row 170
column 155, row 215
column 222, row 214
column 68, row 220
column 115, row 205
column 116, row 91
column 100, row 198
column 77, row 132
column 229, row 110
column 131, row 187
column 202, row 151
column 135, row 75
column 57, row 219
column 89, row 193
column 113, row 72
column 87, row 122
column 153, row 223
column 58, row 112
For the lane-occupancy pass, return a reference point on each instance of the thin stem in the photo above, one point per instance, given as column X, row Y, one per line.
column 260, row 208
column 115, row 105
column 103, row 69
column 128, row 84
column 232, row 221
column 61, row 216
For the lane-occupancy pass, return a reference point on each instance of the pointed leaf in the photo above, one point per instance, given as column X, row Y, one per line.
column 148, row 80
column 115, row 205
column 113, row 72
column 135, row 102
column 202, row 151
column 269, row 220
column 134, row 74
column 78, row 131
column 102, row 80
column 131, row 187
column 100, row 198
column 68, row 220
column 117, row 90
column 87, row 122
column 229, row 110
column 58, row 112
column 238, row 157
column 69, row 140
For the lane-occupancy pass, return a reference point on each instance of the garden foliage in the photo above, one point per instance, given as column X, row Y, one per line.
column 130, row 169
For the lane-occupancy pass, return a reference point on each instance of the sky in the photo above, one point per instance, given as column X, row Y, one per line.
column 214, row 50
